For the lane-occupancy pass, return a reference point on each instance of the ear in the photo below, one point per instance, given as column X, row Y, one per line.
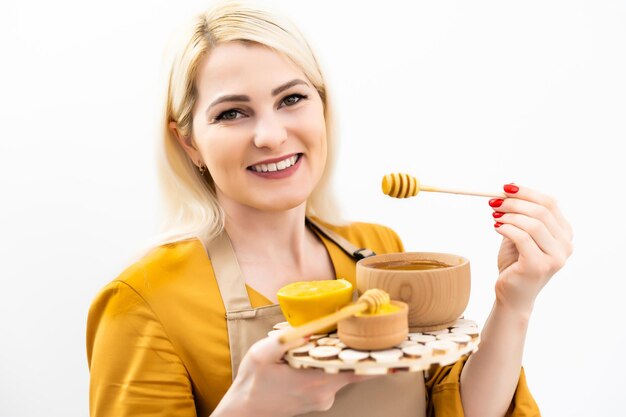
column 187, row 144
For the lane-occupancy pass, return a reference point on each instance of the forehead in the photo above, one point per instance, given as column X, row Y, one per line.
column 233, row 67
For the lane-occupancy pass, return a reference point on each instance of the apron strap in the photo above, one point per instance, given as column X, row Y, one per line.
column 230, row 280
column 345, row 245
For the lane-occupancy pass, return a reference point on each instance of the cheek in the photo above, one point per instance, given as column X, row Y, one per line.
column 316, row 128
column 323, row 141
column 221, row 157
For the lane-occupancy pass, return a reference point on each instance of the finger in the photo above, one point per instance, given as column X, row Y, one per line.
column 270, row 350
column 537, row 230
column 525, row 244
column 534, row 257
column 525, row 193
column 338, row 381
column 531, row 209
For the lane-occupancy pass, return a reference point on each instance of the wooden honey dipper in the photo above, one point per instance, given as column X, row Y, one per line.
column 371, row 301
column 400, row 185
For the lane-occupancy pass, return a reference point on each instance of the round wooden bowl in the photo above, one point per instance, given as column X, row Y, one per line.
column 374, row 332
column 436, row 297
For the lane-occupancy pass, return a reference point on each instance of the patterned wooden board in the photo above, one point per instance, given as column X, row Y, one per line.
column 417, row 353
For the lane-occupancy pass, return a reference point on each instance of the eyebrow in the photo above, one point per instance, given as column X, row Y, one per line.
column 287, row 85
column 242, row 97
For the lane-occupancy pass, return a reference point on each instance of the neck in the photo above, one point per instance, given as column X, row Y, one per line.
column 267, row 236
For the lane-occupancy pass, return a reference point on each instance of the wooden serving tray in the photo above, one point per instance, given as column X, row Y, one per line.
column 417, row 353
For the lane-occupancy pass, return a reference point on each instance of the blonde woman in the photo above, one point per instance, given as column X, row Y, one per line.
column 246, row 156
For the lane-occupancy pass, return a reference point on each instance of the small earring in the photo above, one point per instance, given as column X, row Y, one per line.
column 201, row 167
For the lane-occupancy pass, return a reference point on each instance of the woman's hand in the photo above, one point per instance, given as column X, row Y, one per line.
column 265, row 386
column 537, row 242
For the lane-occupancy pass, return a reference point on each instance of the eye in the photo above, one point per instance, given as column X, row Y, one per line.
column 292, row 99
column 231, row 114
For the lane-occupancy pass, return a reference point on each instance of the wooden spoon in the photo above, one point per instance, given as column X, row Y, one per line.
column 400, row 185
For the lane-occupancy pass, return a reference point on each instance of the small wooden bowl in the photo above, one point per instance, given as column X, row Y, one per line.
column 436, row 297
column 374, row 332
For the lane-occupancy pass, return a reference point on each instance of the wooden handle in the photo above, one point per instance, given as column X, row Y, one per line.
column 457, row 191
column 315, row 325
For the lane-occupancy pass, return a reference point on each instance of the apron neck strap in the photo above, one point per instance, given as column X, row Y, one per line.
column 229, row 278
column 345, row 245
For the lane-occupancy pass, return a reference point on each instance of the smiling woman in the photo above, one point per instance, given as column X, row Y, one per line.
column 223, row 39
column 245, row 153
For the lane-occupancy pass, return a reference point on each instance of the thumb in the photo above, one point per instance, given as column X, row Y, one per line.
column 270, row 349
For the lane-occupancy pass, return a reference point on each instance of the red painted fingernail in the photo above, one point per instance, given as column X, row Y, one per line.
column 511, row 188
column 495, row 202
column 498, row 224
column 497, row 214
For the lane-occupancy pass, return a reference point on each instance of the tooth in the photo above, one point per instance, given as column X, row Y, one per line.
column 288, row 163
column 264, row 167
column 255, row 169
column 271, row 167
column 281, row 165
column 294, row 159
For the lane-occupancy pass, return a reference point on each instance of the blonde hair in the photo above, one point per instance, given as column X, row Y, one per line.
column 190, row 206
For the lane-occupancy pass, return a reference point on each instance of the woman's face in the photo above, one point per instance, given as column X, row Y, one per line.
column 259, row 127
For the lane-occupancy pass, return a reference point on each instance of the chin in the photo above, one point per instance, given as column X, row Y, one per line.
column 280, row 202
column 276, row 206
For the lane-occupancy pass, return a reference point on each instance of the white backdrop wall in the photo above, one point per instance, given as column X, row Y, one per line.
column 459, row 93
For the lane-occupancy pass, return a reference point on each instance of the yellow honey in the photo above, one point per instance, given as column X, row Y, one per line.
column 385, row 309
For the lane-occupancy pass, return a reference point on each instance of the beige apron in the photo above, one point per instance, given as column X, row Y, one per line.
column 398, row 395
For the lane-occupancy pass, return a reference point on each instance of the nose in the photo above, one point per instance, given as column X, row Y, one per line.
column 270, row 132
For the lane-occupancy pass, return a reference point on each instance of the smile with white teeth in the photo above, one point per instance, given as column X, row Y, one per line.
column 278, row 166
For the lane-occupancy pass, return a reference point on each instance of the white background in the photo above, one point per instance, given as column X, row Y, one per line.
column 458, row 93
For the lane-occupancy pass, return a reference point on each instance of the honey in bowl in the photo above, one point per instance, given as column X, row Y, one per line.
column 436, row 286
column 381, row 330
column 410, row 265
column 384, row 309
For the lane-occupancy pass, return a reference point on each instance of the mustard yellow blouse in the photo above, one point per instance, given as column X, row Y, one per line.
column 157, row 341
